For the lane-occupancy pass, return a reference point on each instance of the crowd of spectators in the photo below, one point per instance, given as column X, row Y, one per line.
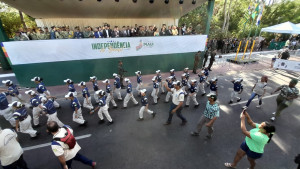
column 65, row 32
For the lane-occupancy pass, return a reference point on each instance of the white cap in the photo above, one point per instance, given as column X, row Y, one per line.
column 202, row 71
column 158, row 71
column 7, row 82
column 238, row 79
column 15, row 104
column 175, row 83
column 186, row 68
column 114, row 75
column 172, row 70
column 70, row 94
column 170, row 77
column 193, row 80
column 82, row 83
column 154, row 78
column 138, row 72
column 93, row 78
column 126, row 80
column 30, row 92
column 68, row 81
column 100, row 92
column 43, row 99
column 105, row 81
column 143, row 91
column 214, row 79
column 36, row 78
column 183, row 74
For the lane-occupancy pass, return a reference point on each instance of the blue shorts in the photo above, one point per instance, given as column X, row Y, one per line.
column 250, row 153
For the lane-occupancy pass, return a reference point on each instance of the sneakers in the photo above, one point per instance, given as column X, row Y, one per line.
column 203, row 94
column 94, row 165
column 274, row 113
column 196, row 106
column 272, row 118
column 153, row 115
column 239, row 99
column 244, row 107
column 186, row 106
column 114, row 107
column 208, row 137
column 230, row 102
column 140, row 119
column 258, row 106
column 167, row 123
column 154, row 103
column 101, row 121
column 84, row 124
column 110, row 123
column 194, row 134
column 183, row 123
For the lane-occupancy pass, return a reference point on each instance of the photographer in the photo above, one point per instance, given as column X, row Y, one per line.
column 255, row 141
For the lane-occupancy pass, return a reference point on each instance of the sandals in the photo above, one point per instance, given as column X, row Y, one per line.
column 228, row 165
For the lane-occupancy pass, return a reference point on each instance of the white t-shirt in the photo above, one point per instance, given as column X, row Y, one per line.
column 60, row 148
column 259, row 88
column 10, row 149
column 177, row 96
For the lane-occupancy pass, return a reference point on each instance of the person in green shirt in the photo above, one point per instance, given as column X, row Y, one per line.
column 255, row 141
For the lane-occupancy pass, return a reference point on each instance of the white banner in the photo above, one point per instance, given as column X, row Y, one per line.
column 287, row 65
column 41, row 51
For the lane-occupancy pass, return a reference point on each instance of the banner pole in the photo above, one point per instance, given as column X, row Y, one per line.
column 252, row 48
column 237, row 52
column 245, row 50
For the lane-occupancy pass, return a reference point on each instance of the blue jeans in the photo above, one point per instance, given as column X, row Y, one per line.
column 80, row 158
column 178, row 113
column 252, row 97
column 19, row 163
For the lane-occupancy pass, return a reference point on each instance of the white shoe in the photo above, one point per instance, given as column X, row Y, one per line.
column 258, row 106
column 272, row 118
column 274, row 113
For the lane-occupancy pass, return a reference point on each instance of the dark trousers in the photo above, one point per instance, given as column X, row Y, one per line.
column 20, row 163
column 178, row 113
column 121, row 80
column 211, row 62
column 204, row 63
column 80, row 158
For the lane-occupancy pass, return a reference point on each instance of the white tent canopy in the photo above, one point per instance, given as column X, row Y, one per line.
column 286, row 27
column 298, row 25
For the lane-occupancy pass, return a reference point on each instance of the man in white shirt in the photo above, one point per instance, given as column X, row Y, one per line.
column 11, row 153
column 65, row 147
column 177, row 102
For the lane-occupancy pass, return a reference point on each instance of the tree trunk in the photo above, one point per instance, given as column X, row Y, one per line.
column 22, row 20
column 228, row 17
column 224, row 9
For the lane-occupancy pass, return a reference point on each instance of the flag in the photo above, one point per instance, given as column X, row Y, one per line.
column 260, row 15
column 255, row 12
column 245, row 17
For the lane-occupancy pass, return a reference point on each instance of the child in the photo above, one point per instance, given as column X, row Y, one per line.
column 202, row 78
column 139, row 80
column 117, row 86
column 192, row 94
column 237, row 89
column 184, row 82
column 144, row 107
column 187, row 74
column 206, row 73
column 103, row 108
column 93, row 79
column 129, row 94
column 13, row 91
column 155, row 90
column 71, row 87
column 213, row 86
column 77, row 112
column 159, row 80
column 41, row 89
column 87, row 100
column 172, row 73
column 110, row 96
column 36, row 104
column 50, row 110
column 170, row 85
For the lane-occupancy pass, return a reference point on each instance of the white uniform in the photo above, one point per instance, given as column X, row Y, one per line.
column 192, row 95
column 104, row 109
column 129, row 96
column 75, row 104
column 8, row 115
column 54, row 102
column 144, row 102
column 24, row 122
column 155, row 91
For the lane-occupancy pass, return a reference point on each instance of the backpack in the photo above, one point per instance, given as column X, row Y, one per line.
column 69, row 139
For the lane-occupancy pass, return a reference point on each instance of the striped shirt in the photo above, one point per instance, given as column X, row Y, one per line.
column 211, row 111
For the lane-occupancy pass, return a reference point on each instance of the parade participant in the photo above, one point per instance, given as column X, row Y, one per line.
column 287, row 94
column 187, row 74
column 121, row 72
column 255, row 141
column 206, row 56
column 192, row 93
column 93, row 79
column 177, row 102
column 13, row 91
column 71, row 86
column 196, row 62
column 159, row 80
column 41, row 89
column 77, row 112
column 210, row 115
column 5, row 110
column 213, row 86
column 36, row 109
column 23, row 119
column 103, row 108
column 184, row 83
column 11, row 152
column 144, row 107
column 50, row 110
column 110, row 95
column 259, row 91
column 129, row 94
column 155, row 90
column 87, row 101
column 65, row 146
column 172, row 73
column 170, row 85
column 200, row 86
column 206, row 73
column 117, row 86
column 237, row 89
column 139, row 80
column 212, row 59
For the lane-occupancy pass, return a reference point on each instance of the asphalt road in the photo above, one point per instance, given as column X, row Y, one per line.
column 129, row 144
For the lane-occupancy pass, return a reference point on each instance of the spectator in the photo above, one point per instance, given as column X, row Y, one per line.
column 77, row 33
column 115, row 33
column 156, row 33
column 174, row 31
column 107, row 33
column 123, row 33
column 97, row 33
column 52, row 32
column 19, row 37
column 163, row 32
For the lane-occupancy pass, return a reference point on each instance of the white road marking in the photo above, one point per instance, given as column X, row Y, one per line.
column 253, row 100
column 7, row 75
column 48, row 144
